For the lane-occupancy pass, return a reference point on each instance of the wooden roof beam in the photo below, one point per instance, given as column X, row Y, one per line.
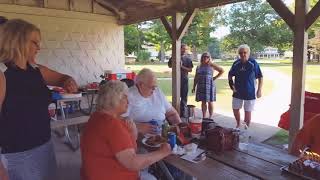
column 313, row 14
column 149, row 14
column 187, row 20
column 283, row 12
column 155, row 1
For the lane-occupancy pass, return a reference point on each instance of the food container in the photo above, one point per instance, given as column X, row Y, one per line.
column 195, row 127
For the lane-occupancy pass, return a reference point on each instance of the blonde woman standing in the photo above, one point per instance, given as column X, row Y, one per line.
column 25, row 133
column 204, row 81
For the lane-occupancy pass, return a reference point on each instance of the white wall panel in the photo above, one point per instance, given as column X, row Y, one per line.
column 82, row 45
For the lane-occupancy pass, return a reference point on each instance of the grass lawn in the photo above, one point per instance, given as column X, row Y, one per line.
column 279, row 139
column 224, row 94
column 223, row 90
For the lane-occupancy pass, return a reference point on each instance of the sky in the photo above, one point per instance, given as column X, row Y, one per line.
column 223, row 30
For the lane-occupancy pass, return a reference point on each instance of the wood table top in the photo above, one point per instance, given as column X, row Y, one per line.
column 257, row 162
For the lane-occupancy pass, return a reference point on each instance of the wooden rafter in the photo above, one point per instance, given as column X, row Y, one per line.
column 313, row 14
column 166, row 25
column 283, row 12
column 110, row 7
column 186, row 22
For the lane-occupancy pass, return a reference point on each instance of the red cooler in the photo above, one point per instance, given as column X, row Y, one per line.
column 119, row 74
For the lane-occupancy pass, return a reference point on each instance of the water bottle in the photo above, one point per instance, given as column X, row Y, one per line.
column 244, row 140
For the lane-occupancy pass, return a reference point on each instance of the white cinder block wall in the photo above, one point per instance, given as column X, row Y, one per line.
column 82, row 45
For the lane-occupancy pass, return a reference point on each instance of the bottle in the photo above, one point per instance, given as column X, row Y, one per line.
column 165, row 129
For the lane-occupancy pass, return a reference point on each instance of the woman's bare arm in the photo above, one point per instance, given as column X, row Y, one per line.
column 135, row 162
column 55, row 78
column 217, row 68
column 2, row 89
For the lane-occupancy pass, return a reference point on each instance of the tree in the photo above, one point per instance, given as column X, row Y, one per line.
column 214, row 48
column 255, row 23
column 198, row 34
column 133, row 38
column 158, row 36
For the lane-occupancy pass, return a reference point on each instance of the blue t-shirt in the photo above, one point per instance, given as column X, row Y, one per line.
column 245, row 78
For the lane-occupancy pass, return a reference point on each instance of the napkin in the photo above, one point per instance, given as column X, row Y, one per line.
column 190, row 157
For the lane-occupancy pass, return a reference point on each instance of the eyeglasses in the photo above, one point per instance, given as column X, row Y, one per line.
column 243, row 52
column 151, row 87
column 37, row 44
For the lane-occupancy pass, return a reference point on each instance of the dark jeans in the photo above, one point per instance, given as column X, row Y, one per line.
column 184, row 96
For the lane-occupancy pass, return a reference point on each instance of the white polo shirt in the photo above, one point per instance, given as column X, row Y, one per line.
column 143, row 109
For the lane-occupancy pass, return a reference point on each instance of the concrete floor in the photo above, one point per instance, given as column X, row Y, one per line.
column 69, row 162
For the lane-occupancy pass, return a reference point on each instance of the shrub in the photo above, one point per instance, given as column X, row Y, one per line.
column 143, row 56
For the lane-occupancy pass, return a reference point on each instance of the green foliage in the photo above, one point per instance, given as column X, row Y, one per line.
column 133, row 38
column 143, row 56
column 255, row 23
column 214, row 48
column 198, row 34
column 158, row 36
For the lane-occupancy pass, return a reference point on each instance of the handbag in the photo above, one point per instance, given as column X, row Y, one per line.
column 220, row 139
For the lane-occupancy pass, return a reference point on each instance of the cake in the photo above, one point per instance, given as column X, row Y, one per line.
column 308, row 165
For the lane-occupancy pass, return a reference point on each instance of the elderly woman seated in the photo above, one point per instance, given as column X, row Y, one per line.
column 308, row 136
column 108, row 144
column 147, row 102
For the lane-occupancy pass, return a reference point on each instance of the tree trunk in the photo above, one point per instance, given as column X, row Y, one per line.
column 162, row 53
column 194, row 53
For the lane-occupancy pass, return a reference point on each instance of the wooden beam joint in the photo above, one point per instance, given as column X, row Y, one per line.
column 166, row 25
column 283, row 12
column 187, row 20
column 313, row 14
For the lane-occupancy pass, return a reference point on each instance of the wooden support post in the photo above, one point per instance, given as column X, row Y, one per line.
column 176, row 31
column 298, row 68
column 176, row 60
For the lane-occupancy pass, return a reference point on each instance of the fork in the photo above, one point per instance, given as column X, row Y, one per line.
column 200, row 157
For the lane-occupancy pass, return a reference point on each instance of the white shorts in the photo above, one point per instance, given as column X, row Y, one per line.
column 248, row 104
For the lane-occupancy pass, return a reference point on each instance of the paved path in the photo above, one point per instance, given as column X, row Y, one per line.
column 269, row 108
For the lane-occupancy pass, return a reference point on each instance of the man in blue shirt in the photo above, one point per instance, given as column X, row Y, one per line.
column 245, row 71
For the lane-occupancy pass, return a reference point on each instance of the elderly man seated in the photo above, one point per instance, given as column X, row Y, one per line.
column 147, row 102
column 308, row 136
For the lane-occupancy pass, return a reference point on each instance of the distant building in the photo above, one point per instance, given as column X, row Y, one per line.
column 131, row 58
column 288, row 54
column 269, row 53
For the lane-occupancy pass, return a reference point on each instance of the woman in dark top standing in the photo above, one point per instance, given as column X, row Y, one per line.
column 25, row 134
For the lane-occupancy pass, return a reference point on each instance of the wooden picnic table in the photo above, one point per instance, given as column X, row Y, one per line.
column 257, row 162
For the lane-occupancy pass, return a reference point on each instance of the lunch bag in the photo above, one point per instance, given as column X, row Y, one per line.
column 220, row 139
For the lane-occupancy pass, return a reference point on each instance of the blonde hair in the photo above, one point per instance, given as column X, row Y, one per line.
column 14, row 39
column 205, row 55
column 110, row 94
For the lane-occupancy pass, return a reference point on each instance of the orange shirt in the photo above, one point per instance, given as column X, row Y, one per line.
column 310, row 134
column 102, row 139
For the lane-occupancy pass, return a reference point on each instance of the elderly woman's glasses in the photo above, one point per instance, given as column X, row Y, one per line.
column 37, row 44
